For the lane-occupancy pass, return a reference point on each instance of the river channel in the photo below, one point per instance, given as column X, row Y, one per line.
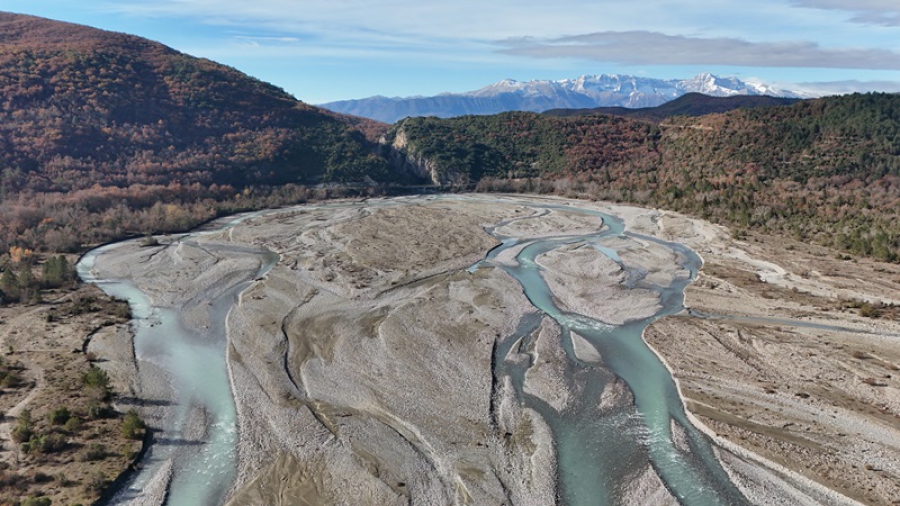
column 594, row 457
column 192, row 456
column 598, row 447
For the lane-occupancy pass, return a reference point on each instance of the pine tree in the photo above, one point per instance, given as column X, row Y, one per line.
column 28, row 285
column 9, row 285
column 56, row 272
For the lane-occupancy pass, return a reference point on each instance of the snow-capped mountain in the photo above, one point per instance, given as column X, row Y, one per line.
column 605, row 90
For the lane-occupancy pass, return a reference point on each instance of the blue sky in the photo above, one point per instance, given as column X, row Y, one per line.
column 339, row 49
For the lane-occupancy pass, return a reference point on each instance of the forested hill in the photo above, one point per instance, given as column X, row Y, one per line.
column 80, row 106
column 689, row 104
column 97, row 117
column 826, row 170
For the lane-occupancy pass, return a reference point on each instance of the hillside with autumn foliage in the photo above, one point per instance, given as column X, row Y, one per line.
column 92, row 121
column 104, row 135
column 824, row 170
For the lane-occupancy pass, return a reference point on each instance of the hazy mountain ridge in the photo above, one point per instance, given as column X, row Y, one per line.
column 589, row 91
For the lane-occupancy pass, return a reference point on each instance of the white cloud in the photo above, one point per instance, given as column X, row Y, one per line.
column 463, row 19
column 338, row 18
column 653, row 48
column 851, row 86
column 850, row 5
column 259, row 41
column 867, row 12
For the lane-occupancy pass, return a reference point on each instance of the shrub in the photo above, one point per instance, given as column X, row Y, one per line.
column 48, row 443
column 96, row 483
column 132, row 426
column 23, row 430
column 60, row 416
column 128, row 452
column 869, row 311
column 97, row 380
column 96, row 377
column 122, row 310
column 74, row 424
column 37, row 501
column 94, row 452
column 54, row 443
column 10, row 379
column 20, row 434
column 40, row 477
column 98, row 410
column 81, row 305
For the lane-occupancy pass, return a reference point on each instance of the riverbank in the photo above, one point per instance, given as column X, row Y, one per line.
column 75, row 441
column 180, row 292
column 804, row 381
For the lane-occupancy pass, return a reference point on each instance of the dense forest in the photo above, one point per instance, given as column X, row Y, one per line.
column 689, row 104
column 826, row 170
column 524, row 145
column 105, row 134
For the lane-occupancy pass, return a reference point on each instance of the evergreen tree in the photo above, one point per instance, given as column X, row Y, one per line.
column 57, row 272
column 28, row 285
column 9, row 285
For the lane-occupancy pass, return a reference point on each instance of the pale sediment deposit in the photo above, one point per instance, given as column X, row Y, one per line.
column 803, row 380
column 579, row 276
column 364, row 365
column 377, row 345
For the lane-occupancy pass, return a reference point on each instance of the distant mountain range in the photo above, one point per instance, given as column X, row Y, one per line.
column 585, row 92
